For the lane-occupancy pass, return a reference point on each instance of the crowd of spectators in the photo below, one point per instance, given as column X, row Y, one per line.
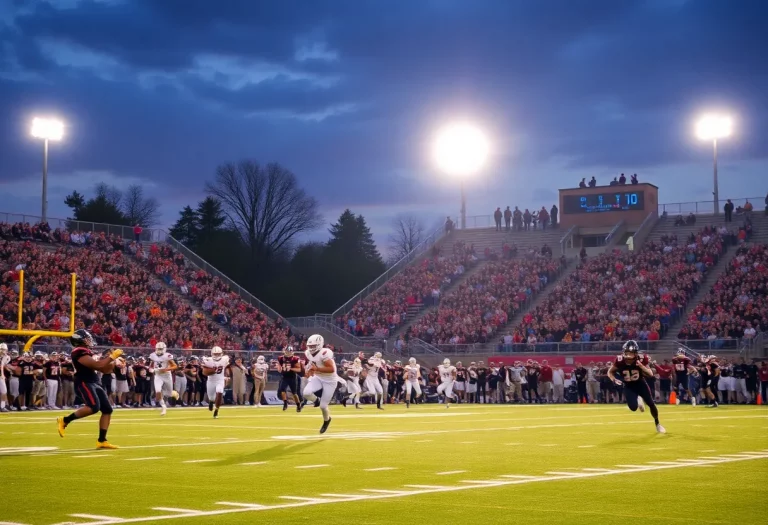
column 525, row 220
column 419, row 284
column 214, row 297
column 476, row 310
column 623, row 295
column 621, row 180
column 737, row 305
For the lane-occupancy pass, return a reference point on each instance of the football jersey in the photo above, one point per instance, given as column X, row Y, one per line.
column 681, row 364
column 161, row 361
column 220, row 366
column 374, row 365
column 627, row 372
column 286, row 363
column 82, row 372
column 319, row 359
column 354, row 371
column 446, row 372
column 259, row 371
column 412, row 372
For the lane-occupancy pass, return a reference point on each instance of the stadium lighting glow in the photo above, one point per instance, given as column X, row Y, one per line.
column 47, row 129
column 713, row 127
column 460, row 149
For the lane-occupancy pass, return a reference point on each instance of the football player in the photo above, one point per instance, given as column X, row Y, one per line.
column 191, row 370
column 710, row 375
column 259, row 371
column 352, row 373
column 372, row 383
column 289, row 367
column 164, row 365
column 447, row 377
column 87, row 385
column 321, row 370
column 215, row 369
column 412, row 376
column 52, row 374
column 5, row 359
column 630, row 371
column 683, row 367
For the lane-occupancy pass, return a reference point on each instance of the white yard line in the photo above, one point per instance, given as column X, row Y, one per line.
column 254, row 463
column 379, row 469
column 586, row 446
column 98, row 517
column 174, row 509
column 211, row 460
column 380, row 494
column 312, row 466
column 451, row 472
column 146, row 459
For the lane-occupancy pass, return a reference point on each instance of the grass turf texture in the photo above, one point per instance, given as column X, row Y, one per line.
column 184, row 464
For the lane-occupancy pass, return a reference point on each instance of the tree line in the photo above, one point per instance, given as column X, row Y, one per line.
column 250, row 225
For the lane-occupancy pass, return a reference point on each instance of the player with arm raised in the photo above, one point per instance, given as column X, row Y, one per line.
column 164, row 367
column 683, row 368
column 447, row 377
column 321, row 370
column 629, row 370
column 88, row 386
column 215, row 369
column 412, row 376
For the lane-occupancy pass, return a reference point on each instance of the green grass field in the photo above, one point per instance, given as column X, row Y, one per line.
column 469, row 464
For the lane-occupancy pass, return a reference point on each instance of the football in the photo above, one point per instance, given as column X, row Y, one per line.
column 175, row 395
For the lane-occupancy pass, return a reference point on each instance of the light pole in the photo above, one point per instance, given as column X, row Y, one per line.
column 46, row 129
column 713, row 127
column 460, row 150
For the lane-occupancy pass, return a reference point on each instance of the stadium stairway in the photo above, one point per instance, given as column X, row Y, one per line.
column 484, row 238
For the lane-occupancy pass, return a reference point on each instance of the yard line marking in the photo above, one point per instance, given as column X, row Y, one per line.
column 10, row 523
column 346, row 496
column 426, row 486
column 663, row 462
column 297, row 498
column 468, row 442
column 200, row 461
column 254, row 463
column 145, row 459
column 450, row 472
column 312, row 466
column 423, row 441
column 599, row 470
column 708, row 450
column 108, row 519
column 478, row 481
column 250, row 506
column 518, row 476
column 631, row 466
column 96, row 455
column 382, row 491
column 744, row 455
column 174, row 509
column 691, row 461
column 561, row 473
column 657, row 448
column 547, row 444
column 709, row 457
column 586, row 446
column 379, row 469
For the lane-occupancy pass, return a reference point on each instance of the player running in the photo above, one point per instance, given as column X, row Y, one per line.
column 88, row 386
column 215, row 369
column 321, row 370
column 372, row 383
column 629, row 370
column 412, row 376
column 683, row 367
column 710, row 376
column 447, row 377
column 259, row 371
column 164, row 365
column 289, row 367
column 353, row 372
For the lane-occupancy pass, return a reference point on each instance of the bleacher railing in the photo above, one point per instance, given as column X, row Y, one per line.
column 433, row 237
column 707, row 207
column 565, row 239
column 126, row 232
column 644, row 229
column 325, row 322
column 614, row 232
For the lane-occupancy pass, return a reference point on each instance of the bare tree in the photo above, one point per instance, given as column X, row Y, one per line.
column 408, row 232
column 110, row 194
column 139, row 209
column 265, row 205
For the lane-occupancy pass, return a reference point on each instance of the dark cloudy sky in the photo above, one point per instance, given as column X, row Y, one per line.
column 346, row 94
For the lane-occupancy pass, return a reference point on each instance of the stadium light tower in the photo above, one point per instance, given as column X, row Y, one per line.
column 46, row 129
column 460, row 150
column 713, row 127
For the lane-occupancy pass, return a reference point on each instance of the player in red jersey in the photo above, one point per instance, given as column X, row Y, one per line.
column 630, row 371
column 683, row 367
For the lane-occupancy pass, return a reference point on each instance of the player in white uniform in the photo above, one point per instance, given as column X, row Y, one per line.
column 353, row 372
column 4, row 360
column 321, row 371
column 372, row 383
column 215, row 368
column 447, row 377
column 164, row 365
column 412, row 376
column 259, row 373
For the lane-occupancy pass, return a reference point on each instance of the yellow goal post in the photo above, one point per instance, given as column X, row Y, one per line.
column 34, row 335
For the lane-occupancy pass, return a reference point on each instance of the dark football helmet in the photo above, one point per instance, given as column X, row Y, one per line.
column 630, row 350
column 82, row 338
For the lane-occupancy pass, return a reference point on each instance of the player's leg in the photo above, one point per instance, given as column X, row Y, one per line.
column 258, row 390
column 408, row 389
column 3, row 395
column 448, row 393
column 297, row 393
column 632, row 399
column 92, row 404
column 328, row 388
column 210, row 387
column 379, row 392
column 159, row 380
column 106, row 416
column 644, row 392
column 313, row 385
column 219, row 389
column 52, row 388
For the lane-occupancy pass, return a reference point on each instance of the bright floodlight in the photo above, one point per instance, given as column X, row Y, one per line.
column 460, row 149
column 712, row 127
column 49, row 129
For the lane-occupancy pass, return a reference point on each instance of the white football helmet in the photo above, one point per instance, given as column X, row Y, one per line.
column 446, row 362
column 160, row 348
column 315, row 343
column 3, row 348
column 357, row 361
column 260, row 359
column 412, row 361
column 398, row 363
column 377, row 355
column 217, row 353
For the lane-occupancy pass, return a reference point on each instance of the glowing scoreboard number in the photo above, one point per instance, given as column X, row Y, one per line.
column 604, row 202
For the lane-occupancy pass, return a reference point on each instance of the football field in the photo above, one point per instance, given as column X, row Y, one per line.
column 467, row 464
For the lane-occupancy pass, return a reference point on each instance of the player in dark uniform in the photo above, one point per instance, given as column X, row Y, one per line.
column 289, row 367
column 27, row 371
column 710, row 376
column 682, row 366
column 630, row 371
column 191, row 371
column 87, row 385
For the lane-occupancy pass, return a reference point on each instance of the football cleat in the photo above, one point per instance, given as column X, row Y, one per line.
column 210, row 407
column 61, row 425
column 693, row 401
column 162, row 412
column 641, row 404
column 325, row 426
column 660, row 429
column 216, row 414
column 106, row 445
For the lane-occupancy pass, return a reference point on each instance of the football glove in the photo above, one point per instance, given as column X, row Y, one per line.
column 619, row 382
column 115, row 353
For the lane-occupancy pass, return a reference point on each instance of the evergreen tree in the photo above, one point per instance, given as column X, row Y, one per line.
column 210, row 217
column 187, row 227
column 103, row 208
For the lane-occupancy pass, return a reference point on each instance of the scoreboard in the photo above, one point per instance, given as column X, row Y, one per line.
column 601, row 202
column 605, row 206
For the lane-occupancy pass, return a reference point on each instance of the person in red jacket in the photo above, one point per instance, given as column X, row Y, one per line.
column 137, row 232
